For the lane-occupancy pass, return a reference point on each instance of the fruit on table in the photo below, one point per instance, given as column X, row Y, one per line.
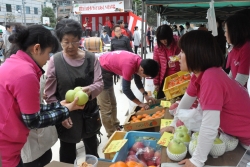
column 137, row 146
column 146, row 117
column 176, row 150
column 82, row 98
column 182, row 128
column 218, row 148
column 178, row 80
column 182, row 136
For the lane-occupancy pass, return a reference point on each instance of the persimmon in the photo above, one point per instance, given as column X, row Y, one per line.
column 132, row 121
column 139, row 116
column 144, row 119
column 113, row 165
column 131, row 164
column 120, row 164
column 137, row 120
column 154, row 115
column 144, row 115
column 158, row 112
column 133, row 117
column 139, row 165
column 186, row 77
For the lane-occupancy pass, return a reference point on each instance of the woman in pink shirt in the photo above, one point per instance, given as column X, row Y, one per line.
column 222, row 99
column 20, row 107
column 166, row 47
column 237, row 33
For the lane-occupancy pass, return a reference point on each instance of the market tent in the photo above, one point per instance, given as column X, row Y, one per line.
column 195, row 10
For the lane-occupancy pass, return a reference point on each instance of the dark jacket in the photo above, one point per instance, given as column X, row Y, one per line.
column 149, row 37
column 121, row 43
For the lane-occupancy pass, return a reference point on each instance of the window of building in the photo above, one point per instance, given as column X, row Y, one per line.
column 8, row 8
column 18, row 8
column 27, row 10
column 35, row 10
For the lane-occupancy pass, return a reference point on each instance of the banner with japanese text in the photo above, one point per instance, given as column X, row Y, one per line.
column 95, row 8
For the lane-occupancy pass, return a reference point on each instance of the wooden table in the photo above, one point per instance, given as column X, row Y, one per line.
column 230, row 158
column 60, row 164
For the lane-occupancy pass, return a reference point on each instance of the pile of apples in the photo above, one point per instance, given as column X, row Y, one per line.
column 178, row 80
column 77, row 92
column 177, row 147
column 146, row 117
column 144, row 154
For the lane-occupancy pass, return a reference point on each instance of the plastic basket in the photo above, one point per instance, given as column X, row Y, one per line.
column 132, row 137
column 176, row 90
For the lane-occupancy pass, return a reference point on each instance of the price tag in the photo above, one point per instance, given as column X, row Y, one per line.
column 165, row 139
column 115, row 145
column 165, row 122
column 165, row 103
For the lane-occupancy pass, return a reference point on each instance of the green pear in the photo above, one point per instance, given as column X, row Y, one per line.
column 78, row 88
column 82, row 98
column 70, row 96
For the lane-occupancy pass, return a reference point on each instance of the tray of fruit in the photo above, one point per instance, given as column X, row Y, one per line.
column 176, row 84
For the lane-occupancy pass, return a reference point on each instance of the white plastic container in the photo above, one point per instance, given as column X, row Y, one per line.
column 90, row 159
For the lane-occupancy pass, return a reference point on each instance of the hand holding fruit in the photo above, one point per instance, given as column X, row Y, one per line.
column 67, row 123
column 79, row 93
column 167, row 129
column 150, row 99
column 144, row 105
column 187, row 163
column 73, row 105
column 86, row 90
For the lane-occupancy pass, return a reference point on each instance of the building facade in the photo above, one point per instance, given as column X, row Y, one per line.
column 11, row 11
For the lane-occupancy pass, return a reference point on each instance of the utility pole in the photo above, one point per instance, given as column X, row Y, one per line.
column 24, row 17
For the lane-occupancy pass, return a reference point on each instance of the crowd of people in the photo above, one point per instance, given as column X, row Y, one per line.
column 29, row 128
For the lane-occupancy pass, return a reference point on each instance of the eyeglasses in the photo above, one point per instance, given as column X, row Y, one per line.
column 66, row 44
column 118, row 30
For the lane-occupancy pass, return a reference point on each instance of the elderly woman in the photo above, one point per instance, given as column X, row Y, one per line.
column 20, row 107
column 66, row 70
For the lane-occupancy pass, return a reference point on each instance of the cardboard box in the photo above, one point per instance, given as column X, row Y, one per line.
column 143, row 124
column 117, row 135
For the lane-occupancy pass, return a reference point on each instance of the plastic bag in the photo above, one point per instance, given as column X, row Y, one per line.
column 192, row 118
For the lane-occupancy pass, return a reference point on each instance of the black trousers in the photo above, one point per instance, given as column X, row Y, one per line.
column 151, row 45
column 68, row 150
column 41, row 161
column 20, row 163
column 160, row 93
column 136, row 49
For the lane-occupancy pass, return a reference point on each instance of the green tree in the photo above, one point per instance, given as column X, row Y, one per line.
column 48, row 12
column 151, row 14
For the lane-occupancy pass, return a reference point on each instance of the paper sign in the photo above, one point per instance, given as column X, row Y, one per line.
column 165, row 122
column 165, row 139
column 115, row 145
column 165, row 103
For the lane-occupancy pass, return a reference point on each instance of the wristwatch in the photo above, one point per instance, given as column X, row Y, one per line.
column 145, row 93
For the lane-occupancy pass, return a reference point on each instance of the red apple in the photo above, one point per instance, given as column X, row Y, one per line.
column 157, row 154
column 131, row 153
column 158, row 161
column 179, row 123
column 173, row 106
column 132, row 158
column 137, row 146
column 148, row 153
column 150, row 163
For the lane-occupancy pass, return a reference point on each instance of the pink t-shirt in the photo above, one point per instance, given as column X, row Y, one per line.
column 239, row 60
column 19, row 92
column 216, row 91
column 122, row 63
